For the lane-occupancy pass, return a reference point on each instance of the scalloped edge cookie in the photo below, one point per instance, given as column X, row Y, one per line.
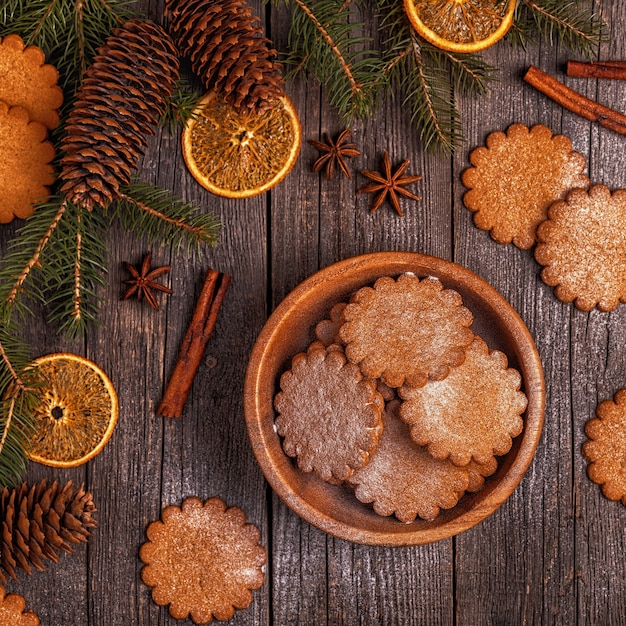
column 604, row 449
column 26, row 157
column 327, row 331
column 12, row 610
column 26, row 80
column 329, row 415
column 403, row 479
column 474, row 413
column 407, row 330
column 582, row 248
column 202, row 559
column 516, row 176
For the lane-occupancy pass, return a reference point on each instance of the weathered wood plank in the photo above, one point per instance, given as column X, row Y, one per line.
column 598, row 341
column 513, row 567
column 364, row 584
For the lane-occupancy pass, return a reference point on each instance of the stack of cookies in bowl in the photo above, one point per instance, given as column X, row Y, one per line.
column 398, row 399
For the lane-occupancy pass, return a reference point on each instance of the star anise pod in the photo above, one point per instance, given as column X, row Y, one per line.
column 388, row 184
column 143, row 282
column 334, row 153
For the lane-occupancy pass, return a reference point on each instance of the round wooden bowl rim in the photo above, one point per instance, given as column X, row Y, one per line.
column 260, row 418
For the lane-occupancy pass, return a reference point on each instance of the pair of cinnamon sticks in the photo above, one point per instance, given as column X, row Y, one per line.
column 576, row 102
column 194, row 343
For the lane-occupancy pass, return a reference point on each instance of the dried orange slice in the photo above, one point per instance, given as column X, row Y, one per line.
column 238, row 155
column 77, row 412
column 461, row 25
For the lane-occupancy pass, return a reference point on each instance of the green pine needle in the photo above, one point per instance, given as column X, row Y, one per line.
column 326, row 41
column 58, row 258
column 571, row 24
column 427, row 77
column 181, row 106
column 429, row 95
column 75, row 271
column 160, row 216
column 17, row 402
column 26, row 256
column 469, row 74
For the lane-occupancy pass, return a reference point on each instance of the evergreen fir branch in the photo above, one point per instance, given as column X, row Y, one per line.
column 59, row 256
column 75, row 270
column 469, row 74
column 429, row 94
column 571, row 24
column 68, row 31
column 25, row 256
column 17, row 402
column 426, row 77
column 326, row 43
column 159, row 215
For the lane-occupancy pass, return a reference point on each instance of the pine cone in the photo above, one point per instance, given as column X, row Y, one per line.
column 227, row 51
column 39, row 521
column 123, row 94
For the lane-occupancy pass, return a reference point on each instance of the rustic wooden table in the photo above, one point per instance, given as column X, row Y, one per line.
column 552, row 554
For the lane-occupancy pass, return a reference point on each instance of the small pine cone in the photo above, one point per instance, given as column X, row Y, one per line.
column 39, row 521
column 123, row 94
column 227, row 51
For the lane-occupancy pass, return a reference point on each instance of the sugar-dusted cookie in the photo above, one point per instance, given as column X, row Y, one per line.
column 516, row 177
column 606, row 446
column 406, row 330
column 327, row 331
column 12, row 611
column 25, row 163
column 403, row 479
column 582, row 246
column 27, row 81
column 202, row 559
column 328, row 414
column 473, row 413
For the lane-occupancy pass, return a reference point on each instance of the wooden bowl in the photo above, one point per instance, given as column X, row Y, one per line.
column 290, row 329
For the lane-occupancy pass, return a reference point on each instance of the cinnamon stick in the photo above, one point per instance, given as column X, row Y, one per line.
column 575, row 102
column 615, row 70
column 194, row 343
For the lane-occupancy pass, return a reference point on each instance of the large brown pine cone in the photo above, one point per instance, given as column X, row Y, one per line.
column 39, row 521
column 123, row 94
column 227, row 51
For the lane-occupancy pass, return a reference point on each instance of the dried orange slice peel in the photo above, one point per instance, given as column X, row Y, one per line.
column 238, row 154
column 77, row 412
column 461, row 25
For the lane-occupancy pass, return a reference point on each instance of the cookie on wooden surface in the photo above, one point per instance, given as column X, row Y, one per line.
column 473, row 413
column 604, row 449
column 12, row 611
column 202, row 559
column 516, row 177
column 582, row 246
column 403, row 479
column 328, row 413
column 27, row 81
column 25, row 163
column 406, row 330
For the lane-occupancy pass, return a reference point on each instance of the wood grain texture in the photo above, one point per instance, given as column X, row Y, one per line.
column 551, row 555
